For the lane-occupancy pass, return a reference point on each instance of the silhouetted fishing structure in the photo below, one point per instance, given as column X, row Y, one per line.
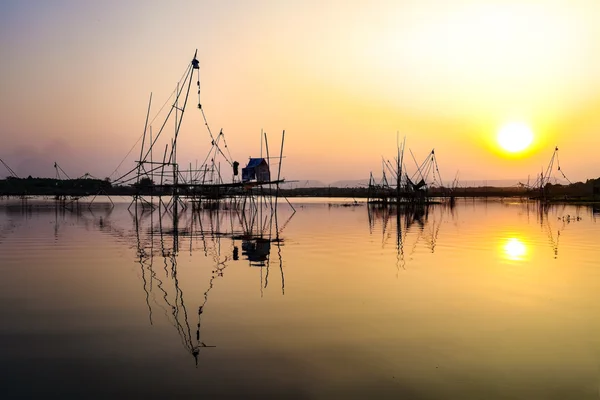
column 216, row 181
column 9, row 169
column 396, row 186
column 539, row 188
column 62, row 188
column 553, row 185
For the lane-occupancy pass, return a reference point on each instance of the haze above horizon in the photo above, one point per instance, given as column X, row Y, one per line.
column 344, row 79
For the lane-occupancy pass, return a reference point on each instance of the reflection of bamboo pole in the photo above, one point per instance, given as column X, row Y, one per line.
column 279, row 254
column 140, row 252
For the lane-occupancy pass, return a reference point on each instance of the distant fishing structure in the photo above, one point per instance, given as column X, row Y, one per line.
column 216, row 182
column 397, row 187
column 540, row 185
column 9, row 169
column 553, row 185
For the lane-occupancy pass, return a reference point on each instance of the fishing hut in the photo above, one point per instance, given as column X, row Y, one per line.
column 256, row 170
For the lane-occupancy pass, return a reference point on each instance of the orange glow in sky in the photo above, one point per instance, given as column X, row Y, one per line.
column 342, row 78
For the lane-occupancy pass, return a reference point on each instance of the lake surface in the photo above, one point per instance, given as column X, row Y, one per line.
column 485, row 300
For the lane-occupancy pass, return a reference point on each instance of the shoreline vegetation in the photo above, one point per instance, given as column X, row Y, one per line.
column 584, row 192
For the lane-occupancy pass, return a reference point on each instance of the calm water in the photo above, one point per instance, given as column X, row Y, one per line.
column 488, row 300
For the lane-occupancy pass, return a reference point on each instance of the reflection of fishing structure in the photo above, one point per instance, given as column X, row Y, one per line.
column 401, row 220
column 213, row 183
column 396, row 186
column 161, row 234
column 23, row 210
column 260, row 231
column 156, row 240
column 563, row 218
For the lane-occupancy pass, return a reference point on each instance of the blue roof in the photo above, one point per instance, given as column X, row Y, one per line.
column 255, row 162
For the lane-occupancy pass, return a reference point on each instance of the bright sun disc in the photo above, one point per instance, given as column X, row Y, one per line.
column 515, row 136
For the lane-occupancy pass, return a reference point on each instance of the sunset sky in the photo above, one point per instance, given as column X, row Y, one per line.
column 341, row 77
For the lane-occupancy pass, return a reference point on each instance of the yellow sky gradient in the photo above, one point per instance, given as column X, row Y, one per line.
column 341, row 77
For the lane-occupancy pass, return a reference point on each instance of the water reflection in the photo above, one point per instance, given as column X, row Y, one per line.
column 140, row 299
column 556, row 218
column 256, row 251
column 160, row 235
column 414, row 228
column 514, row 249
column 216, row 232
column 403, row 220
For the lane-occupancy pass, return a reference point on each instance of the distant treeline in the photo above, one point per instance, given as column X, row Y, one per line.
column 590, row 190
column 52, row 187
column 584, row 191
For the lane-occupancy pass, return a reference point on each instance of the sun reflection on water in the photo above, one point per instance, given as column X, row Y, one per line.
column 514, row 249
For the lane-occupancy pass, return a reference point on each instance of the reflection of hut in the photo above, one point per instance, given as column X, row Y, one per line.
column 256, row 251
column 257, row 169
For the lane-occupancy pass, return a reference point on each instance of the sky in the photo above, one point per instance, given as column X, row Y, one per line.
column 344, row 79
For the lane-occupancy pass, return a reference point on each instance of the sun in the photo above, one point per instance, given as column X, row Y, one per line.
column 515, row 137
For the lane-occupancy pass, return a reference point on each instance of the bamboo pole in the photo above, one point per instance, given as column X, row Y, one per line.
column 279, row 169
